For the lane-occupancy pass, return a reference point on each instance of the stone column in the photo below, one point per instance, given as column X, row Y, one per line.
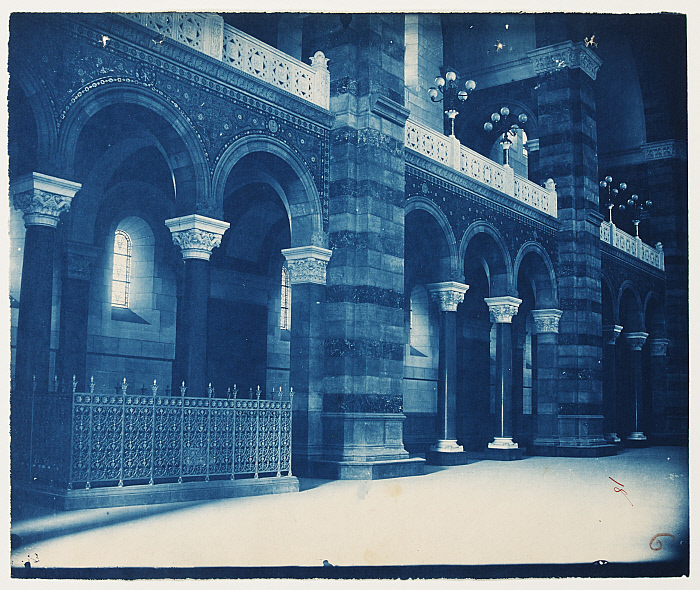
column 636, row 342
column 42, row 199
column 659, row 387
column 547, row 335
column 610, row 335
column 446, row 451
column 196, row 236
column 307, row 278
column 71, row 359
column 566, row 104
column 502, row 447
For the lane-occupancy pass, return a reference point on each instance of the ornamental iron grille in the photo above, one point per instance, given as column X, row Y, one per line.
column 123, row 439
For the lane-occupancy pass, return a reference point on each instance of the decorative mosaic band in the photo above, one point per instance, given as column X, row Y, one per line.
column 368, row 403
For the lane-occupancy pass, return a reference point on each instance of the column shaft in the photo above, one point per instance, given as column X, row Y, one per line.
column 447, row 377
column 504, row 380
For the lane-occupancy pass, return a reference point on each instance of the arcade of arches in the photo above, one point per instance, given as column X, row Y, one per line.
column 181, row 221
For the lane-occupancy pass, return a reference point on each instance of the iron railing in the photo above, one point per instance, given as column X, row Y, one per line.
column 118, row 439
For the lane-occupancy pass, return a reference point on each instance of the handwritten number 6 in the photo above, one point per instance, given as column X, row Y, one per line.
column 656, row 538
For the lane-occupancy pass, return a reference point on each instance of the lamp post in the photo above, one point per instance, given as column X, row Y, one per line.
column 612, row 194
column 639, row 208
column 452, row 96
column 501, row 121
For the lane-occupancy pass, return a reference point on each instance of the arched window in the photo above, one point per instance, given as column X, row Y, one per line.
column 285, row 301
column 121, row 269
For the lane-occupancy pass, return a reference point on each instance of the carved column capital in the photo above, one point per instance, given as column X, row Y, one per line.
column 659, row 346
column 42, row 198
column 448, row 294
column 546, row 320
column 565, row 55
column 78, row 260
column 610, row 333
column 196, row 235
column 636, row 340
column 503, row 308
column 307, row 264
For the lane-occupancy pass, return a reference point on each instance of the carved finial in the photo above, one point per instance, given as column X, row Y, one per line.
column 549, row 184
column 228, row 393
column 291, row 393
column 124, row 386
column 280, row 393
column 183, row 389
column 210, row 390
column 75, row 383
column 257, row 393
column 154, row 387
column 33, row 383
column 319, row 61
column 55, row 383
column 659, row 247
column 235, row 391
column 92, row 385
column 251, row 393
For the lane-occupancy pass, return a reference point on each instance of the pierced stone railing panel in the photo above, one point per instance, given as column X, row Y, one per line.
column 207, row 33
column 633, row 246
column 449, row 152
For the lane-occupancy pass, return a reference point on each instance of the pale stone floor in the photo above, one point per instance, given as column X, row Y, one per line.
column 537, row 510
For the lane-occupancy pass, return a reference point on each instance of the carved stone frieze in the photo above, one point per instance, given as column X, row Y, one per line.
column 42, row 198
column 78, row 260
column 196, row 235
column 503, row 308
column 546, row 320
column 448, row 294
column 307, row 264
column 664, row 150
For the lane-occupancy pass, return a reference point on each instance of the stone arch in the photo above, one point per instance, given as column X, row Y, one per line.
column 496, row 261
column 629, row 308
column 25, row 80
column 289, row 177
column 533, row 259
column 186, row 155
column 419, row 203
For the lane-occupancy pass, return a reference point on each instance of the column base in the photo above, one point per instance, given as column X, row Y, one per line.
column 494, row 453
column 637, row 436
column 612, row 438
column 587, row 451
column 367, row 469
column 451, row 458
column 500, row 442
column 636, row 440
column 447, row 446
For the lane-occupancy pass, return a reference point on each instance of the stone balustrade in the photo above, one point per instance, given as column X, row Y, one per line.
column 207, row 32
column 449, row 152
column 634, row 246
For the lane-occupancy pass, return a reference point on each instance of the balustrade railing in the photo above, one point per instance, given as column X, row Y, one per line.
column 114, row 439
column 209, row 34
column 634, row 246
column 448, row 151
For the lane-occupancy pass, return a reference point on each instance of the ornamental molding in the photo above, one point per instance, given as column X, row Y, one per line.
column 636, row 340
column 546, row 320
column 659, row 346
column 503, row 308
column 611, row 333
column 565, row 55
column 307, row 264
column 42, row 198
column 448, row 294
column 196, row 235
column 664, row 150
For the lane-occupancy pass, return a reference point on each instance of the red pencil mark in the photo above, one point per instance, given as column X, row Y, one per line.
column 620, row 489
column 656, row 538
